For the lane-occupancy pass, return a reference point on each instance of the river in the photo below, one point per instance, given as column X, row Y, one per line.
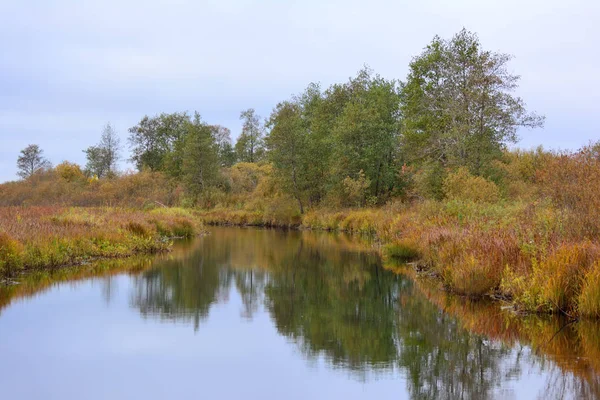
column 269, row 314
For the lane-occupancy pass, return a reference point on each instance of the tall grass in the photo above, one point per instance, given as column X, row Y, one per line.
column 46, row 237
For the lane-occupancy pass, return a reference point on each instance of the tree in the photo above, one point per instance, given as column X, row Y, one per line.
column 70, row 172
column 157, row 142
column 200, row 159
column 31, row 161
column 287, row 145
column 366, row 132
column 222, row 137
column 249, row 146
column 102, row 159
column 458, row 107
column 147, row 146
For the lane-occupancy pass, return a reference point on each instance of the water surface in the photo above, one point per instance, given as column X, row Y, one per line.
column 266, row 314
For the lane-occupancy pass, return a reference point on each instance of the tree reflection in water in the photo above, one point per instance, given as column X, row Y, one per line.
column 331, row 296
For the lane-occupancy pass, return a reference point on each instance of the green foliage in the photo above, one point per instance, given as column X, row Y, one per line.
column 458, row 105
column 287, row 149
column 401, row 251
column 102, row 159
column 355, row 189
column 366, row 131
column 429, row 181
column 157, row 142
column 249, row 146
column 200, row 167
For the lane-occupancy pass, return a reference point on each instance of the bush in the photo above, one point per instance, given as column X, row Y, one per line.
column 572, row 181
column 589, row 299
column 10, row 255
column 461, row 185
column 401, row 251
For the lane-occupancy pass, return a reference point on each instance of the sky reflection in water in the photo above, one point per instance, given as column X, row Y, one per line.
column 246, row 313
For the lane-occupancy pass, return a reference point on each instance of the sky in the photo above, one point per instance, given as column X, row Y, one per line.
column 67, row 67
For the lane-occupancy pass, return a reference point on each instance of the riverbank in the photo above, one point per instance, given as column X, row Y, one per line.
column 37, row 238
column 528, row 253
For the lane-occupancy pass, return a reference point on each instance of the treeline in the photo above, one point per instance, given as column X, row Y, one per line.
column 357, row 143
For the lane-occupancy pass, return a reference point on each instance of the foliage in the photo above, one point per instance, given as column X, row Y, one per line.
column 458, row 105
column 31, row 161
column 200, row 159
column 157, row 142
column 461, row 185
column 572, row 181
column 70, row 172
column 249, row 146
column 287, row 149
column 355, row 190
column 102, row 159
column 588, row 301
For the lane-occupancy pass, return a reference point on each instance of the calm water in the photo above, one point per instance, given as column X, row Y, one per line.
column 245, row 313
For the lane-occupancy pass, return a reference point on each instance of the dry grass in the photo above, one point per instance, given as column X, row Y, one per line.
column 46, row 237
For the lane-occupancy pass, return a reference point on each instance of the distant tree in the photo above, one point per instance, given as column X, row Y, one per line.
column 200, row 158
column 249, row 146
column 458, row 107
column 147, row 145
column 102, row 159
column 96, row 162
column 157, row 142
column 31, row 161
column 222, row 137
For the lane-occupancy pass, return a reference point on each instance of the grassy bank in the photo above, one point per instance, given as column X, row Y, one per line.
column 33, row 238
column 529, row 253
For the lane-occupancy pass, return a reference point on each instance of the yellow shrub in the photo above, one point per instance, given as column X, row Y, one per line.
column 10, row 255
column 589, row 299
column 461, row 185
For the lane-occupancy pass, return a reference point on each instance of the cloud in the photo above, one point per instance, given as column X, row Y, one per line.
column 70, row 66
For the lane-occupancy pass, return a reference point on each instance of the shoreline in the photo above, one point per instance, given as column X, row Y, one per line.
column 466, row 260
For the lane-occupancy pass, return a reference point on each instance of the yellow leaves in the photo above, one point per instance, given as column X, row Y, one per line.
column 461, row 185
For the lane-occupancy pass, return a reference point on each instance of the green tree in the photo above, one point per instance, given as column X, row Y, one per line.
column 31, row 161
column 366, row 132
column 157, row 142
column 222, row 136
column 287, row 149
column 200, row 165
column 458, row 105
column 102, row 159
column 249, row 146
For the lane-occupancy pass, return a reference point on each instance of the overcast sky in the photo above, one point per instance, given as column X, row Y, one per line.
column 69, row 66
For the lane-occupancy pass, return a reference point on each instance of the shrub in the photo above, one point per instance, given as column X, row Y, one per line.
column 572, row 181
column 137, row 229
column 559, row 276
column 589, row 299
column 461, row 185
column 10, row 255
column 401, row 251
column 183, row 228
